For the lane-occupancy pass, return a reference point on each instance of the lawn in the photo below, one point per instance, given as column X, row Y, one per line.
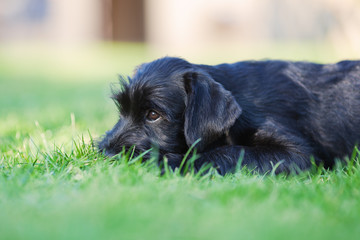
column 54, row 185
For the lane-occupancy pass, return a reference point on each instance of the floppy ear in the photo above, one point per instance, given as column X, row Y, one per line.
column 210, row 109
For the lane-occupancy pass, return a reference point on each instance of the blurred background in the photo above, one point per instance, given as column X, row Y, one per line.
column 184, row 27
column 58, row 57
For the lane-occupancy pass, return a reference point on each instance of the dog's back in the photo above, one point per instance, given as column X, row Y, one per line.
column 318, row 103
column 334, row 119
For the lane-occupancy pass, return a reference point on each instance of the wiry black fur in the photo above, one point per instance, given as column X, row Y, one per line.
column 272, row 111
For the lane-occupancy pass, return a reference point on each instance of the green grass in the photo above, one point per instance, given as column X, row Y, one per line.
column 54, row 185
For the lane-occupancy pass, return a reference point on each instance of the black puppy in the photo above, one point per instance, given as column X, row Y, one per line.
column 271, row 112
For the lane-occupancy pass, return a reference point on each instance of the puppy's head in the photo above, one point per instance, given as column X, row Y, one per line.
column 170, row 103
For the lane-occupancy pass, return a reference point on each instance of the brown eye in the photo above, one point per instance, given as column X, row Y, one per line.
column 152, row 116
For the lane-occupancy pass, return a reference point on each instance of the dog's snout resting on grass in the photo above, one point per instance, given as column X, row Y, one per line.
column 272, row 113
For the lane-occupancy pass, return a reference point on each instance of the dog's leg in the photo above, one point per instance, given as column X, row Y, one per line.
column 262, row 159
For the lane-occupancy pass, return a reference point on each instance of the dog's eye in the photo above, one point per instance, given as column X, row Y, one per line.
column 152, row 116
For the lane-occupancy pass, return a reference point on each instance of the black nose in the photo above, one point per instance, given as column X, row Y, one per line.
column 106, row 150
column 109, row 154
column 103, row 147
column 106, row 147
